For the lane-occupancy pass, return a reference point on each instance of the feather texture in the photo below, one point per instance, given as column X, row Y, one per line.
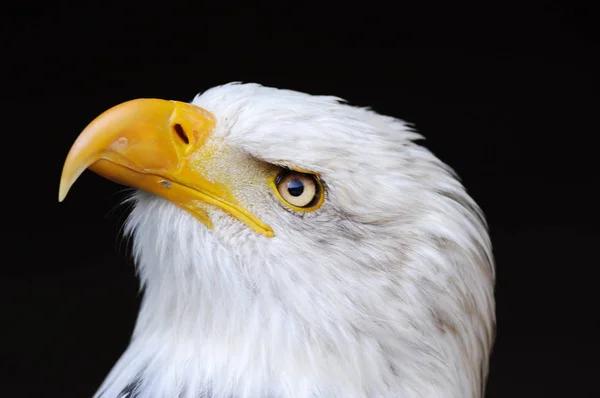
column 385, row 291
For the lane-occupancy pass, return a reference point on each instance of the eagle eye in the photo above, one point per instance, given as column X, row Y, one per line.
column 300, row 191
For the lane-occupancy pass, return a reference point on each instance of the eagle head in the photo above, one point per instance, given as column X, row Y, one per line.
column 292, row 245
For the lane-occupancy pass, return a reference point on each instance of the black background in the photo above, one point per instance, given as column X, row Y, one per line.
column 506, row 94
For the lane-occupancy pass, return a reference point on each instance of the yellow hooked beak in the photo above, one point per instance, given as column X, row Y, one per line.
column 157, row 146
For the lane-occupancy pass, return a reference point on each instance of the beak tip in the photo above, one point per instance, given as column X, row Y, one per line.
column 62, row 191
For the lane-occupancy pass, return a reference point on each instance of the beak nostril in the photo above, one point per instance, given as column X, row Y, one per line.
column 181, row 133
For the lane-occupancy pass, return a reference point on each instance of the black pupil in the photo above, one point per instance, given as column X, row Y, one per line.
column 295, row 187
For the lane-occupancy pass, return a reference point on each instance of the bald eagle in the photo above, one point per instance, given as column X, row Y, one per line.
column 292, row 245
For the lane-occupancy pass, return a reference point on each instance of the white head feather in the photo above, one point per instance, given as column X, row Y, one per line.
column 385, row 291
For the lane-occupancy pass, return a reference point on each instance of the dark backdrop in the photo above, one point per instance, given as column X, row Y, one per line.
column 507, row 95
